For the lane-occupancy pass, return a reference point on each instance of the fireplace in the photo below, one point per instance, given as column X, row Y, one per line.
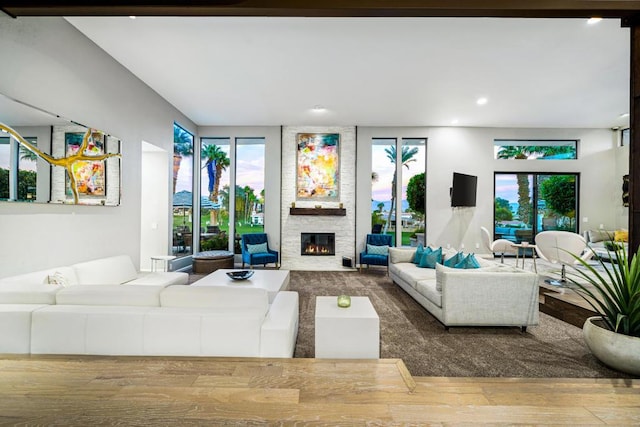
column 317, row 244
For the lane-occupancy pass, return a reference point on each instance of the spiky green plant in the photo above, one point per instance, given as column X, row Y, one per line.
column 614, row 295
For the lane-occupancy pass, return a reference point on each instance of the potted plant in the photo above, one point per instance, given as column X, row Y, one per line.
column 613, row 336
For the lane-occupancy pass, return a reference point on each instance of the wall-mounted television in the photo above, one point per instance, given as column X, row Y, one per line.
column 463, row 191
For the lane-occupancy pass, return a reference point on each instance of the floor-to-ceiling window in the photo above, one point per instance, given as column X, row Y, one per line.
column 231, row 169
column 214, row 189
column 528, row 203
column 398, row 188
column 182, row 191
column 249, row 184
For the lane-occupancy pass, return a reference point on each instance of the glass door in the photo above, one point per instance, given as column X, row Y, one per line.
column 528, row 203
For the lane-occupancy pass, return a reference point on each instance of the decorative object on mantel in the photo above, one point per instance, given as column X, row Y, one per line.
column 344, row 301
column 341, row 205
column 318, row 166
column 318, row 206
column 318, row 211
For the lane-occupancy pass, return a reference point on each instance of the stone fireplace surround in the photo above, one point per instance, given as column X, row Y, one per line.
column 293, row 225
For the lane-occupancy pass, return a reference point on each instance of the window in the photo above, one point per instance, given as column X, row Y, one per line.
column 249, row 212
column 214, row 192
column 535, row 149
column 216, row 179
column 18, row 177
column 384, row 176
column 625, row 134
column 528, row 203
column 182, row 191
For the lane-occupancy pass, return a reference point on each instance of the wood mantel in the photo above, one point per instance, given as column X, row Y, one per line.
column 318, row 211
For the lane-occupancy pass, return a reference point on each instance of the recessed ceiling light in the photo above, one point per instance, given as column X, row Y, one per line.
column 319, row 109
column 594, row 20
column 482, row 101
column 623, row 115
column 454, row 121
column 132, row 17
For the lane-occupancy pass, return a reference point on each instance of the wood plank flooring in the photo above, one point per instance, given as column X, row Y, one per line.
column 157, row 391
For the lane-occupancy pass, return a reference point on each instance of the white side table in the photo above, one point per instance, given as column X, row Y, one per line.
column 163, row 260
column 346, row 333
column 533, row 248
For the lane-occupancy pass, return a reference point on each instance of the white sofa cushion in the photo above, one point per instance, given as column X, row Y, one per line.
column 397, row 255
column 161, row 278
column 115, row 295
column 411, row 273
column 428, row 289
column 88, row 329
column 106, row 271
column 15, row 327
column 218, row 297
column 25, row 293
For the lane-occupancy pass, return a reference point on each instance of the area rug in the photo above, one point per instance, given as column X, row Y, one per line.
column 408, row 331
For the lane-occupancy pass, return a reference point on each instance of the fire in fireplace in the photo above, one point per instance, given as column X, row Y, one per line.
column 317, row 244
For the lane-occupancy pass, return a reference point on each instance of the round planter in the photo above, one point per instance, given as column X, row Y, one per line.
column 618, row 351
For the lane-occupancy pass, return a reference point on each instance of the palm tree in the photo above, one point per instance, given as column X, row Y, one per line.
column 182, row 146
column 216, row 161
column 406, row 158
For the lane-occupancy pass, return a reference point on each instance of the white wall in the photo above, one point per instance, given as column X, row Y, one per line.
column 470, row 151
column 153, row 203
column 49, row 64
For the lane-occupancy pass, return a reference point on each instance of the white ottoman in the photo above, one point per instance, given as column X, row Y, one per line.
column 346, row 333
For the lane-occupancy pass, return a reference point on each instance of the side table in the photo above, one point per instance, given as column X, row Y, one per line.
column 164, row 261
column 346, row 333
column 526, row 245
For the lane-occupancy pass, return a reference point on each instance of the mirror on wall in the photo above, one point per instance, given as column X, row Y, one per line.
column 48, row 159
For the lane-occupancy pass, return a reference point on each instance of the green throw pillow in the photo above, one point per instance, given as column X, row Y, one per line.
column 377, row 249
column 418, row 256
column 260, row 248
column 451, row 262
column 430, row 258
column 469, row 261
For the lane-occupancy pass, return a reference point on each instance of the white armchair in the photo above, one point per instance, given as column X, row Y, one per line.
column 500, row 246
column 557, row 246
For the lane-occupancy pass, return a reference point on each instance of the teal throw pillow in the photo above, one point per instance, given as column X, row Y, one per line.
column 469, row 261
column 260, row 248
column 430, row 258
column 451, row 262
column 418, row 256
column 377, row 249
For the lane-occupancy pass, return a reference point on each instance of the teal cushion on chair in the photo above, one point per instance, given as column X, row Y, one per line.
column 260, row 248
column 377, row 249
column 430, row 258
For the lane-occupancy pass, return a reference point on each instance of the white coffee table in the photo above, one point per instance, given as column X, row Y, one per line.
column 273, row 281
column 346, row 333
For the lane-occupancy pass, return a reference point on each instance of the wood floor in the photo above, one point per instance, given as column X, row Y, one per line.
column 90, row 390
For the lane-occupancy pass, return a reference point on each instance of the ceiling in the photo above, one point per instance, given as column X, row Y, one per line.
column 377, row 71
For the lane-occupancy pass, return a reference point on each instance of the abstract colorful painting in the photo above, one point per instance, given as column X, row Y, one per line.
column 89, row 175
column 318, row 168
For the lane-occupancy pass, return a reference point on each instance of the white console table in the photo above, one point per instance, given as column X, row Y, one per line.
column 346, row 333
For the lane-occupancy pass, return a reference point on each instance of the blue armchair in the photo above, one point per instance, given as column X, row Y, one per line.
column 253, row 255
column 376, row 256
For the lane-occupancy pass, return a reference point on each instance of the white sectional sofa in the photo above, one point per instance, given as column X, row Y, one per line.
column 142, row 318
column 492, row 295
